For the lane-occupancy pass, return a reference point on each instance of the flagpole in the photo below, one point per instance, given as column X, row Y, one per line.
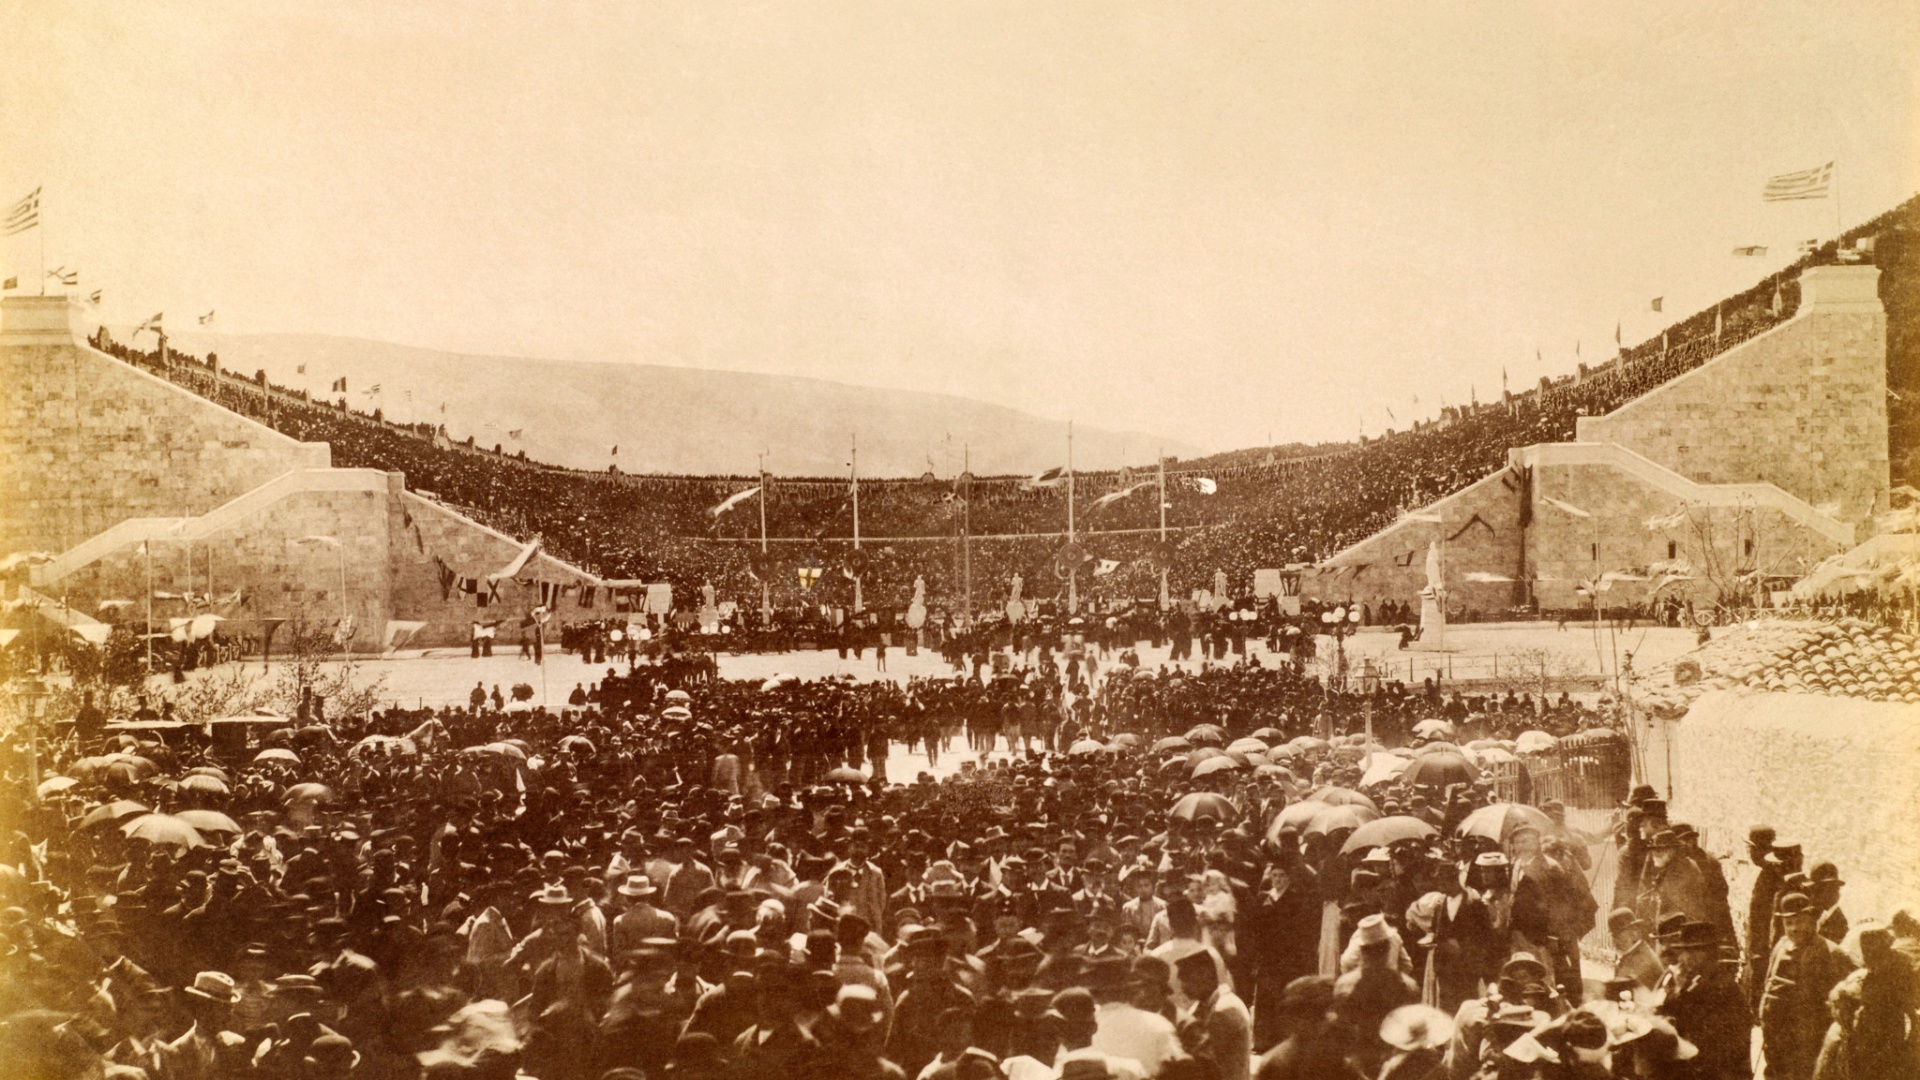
column 1161, row 456
column 146, row 546
column 966, row 530
column 1073, row 571
column 766, row 589
column 855, row 465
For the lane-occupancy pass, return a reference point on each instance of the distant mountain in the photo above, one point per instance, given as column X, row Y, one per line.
column 673, row 419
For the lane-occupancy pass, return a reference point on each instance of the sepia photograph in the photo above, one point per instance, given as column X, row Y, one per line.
column 959, row 540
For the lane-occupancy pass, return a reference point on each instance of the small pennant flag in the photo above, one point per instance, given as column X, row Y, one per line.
column 1103, row 567
column 64, row 276
column 1655, row 303
column 1750, row 251
column 371, row 390
column 22, row 215
column 93, row 297
column 207, row 318
column 514, row 434
column 615, row 452
column 1616, row 332
column 1806, row 184
column 152, row 324
column 734, row 500
column 10, row 283
column 1050, row 478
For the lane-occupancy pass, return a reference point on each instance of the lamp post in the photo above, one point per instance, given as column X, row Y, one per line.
column 32, row 695
column 1341, row 622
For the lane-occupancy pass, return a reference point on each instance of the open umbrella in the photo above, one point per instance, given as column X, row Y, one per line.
column 1204, row 804
column 55, row 783
column 209, row 770
column 1173, row 743
column 1339, row 796
column 1296, row 815
column 1335, row 818
column 163, row 829
column 212, row 785
column 846, row 775
column 1174, row 765
column 1436, row 748
column 1205, row 753
column 775, row 681
column 1535, row 742
column 1272, row 771
column 1383, row 769
column 113, row 811
column 1207, row 733
column 679, row 695
column 1086, row 746
column 1598, row 733
column 308, row 793
column 208, row 821
column 1269, row 735
column 386, row 744
column 677, row 712
column 1126, row 738
column 1436, row 729
column 1307, row 744
column 1482, row 744
column 1382, row 832
column 1247, row 746
column 1210, row 766
column 578, row 743
column 277, row 753
column 1491, row 755
column 1498, row 821
column 502, row 748
column 1439, row 770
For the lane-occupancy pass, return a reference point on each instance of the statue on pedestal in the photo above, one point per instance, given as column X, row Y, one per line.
column 1433, row 603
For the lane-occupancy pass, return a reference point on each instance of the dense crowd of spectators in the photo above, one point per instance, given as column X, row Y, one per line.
column 1163, row 874
column 1235, row 513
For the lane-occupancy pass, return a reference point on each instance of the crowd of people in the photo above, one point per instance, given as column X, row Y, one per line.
column 1160, row 873
column 1232, row 513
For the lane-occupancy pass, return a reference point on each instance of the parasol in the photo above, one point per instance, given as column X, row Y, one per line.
column 1386, row 831
column 1213, row 765
column 1296, row 815
column 212, row 785
column 1207, row 733
column 1335, row 818
column 1438, row 729
column 163, row 829
column 208, row 821
column 55, row 783
column 113, row 811
column 308, row 793
column 1307, row 744
column 1204, row 804
column 277, row 753
column 1173, row 743
column 1247, row 746
column 1439, row 770
column 1269, row 735
column 1499, row 820
column 846, row 775
column 1535, row 742
column 1339, row 796
column 577, row 742
column 1086, row 746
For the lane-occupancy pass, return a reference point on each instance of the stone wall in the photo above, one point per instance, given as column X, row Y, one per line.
column 1480, row 525
column 87, row 441
column 1803, row 406
column 422, row 529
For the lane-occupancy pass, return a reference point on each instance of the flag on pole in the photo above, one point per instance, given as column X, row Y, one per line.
column 615, row 452
column 1655, row 304
column 207, row 318
column 152, row 324
column 1050, row 478
column 10, row 283
column 1616, row 335
column 22, row 215
column 93, row 297
column 1103, row 567
column 1749, row 251
column 734, row 500
column 1806, row 184
column 340, row 385
column 64, row 276
column 514, row 434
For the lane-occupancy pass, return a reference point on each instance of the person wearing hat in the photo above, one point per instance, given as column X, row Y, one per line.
column 1282, row 935
column 1704, row 1002
column 1364, row 996
column 1770, row 871
column 853, row 1036
column 639, row 920
column 195, row 1054
column 1217, row 1026
column 1418, row 1035
column 1123, row 1029
column 1823, row 888
column 1671, row 883
column 1638, row 961
column 1312, row 1045
column 1803, row 970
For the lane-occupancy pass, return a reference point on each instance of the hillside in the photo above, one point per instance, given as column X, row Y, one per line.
column 670, row 419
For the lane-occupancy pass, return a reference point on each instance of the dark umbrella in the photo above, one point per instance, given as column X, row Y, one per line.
column 1339, row 796
column 846, row 775
column 1335, row 818
column 1498, row 821
column 113, row 811
column 1172, row 743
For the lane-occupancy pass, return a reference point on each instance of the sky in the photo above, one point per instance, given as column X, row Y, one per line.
column 1228, row 223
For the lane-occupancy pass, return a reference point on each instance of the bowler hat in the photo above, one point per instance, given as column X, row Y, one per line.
column 1795, row 904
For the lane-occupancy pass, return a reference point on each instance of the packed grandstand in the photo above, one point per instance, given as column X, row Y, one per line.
column 1233, row 512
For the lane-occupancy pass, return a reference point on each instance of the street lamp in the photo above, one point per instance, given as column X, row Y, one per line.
column 1340, row 622
column 31, row 694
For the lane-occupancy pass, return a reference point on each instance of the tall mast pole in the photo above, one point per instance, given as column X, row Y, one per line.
column 766, row 590
column 855, row 465
column 1073, row 572
column 966, row 530
column 1161, row 458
